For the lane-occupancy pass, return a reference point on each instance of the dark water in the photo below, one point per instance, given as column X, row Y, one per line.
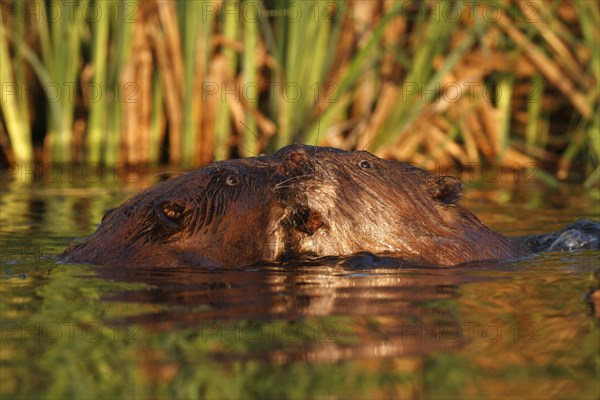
column 354, row 328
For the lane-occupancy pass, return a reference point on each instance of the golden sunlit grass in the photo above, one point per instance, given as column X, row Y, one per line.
column 508, row 82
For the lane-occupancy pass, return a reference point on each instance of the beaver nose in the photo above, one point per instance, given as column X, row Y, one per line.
column 296, row 160
column 281, row 169
column 297, row 163
column 297, row 157
column 295, row 153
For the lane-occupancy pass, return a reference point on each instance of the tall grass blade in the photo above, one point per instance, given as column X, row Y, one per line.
column 97, row 120
column 534, row 112
column 13, row 104
column 190, row 31
column 504, row 97
column 413, row 101
column 249, row 81
column 230, row 30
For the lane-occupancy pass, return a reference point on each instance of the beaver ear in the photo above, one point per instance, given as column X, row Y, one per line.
column 171, row 213
column 446, row 189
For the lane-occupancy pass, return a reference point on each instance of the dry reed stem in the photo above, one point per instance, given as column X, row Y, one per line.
column 372, row 104
column 334, row 136
column 483, row 143
column 218, row 72
column 385, row 104
column 462, row 113
column 169, row 57
column 435, row 140
column 547, row 67
column 344, row 50
column 237, row 112
column 172, row 100
column 407, row 145
column 562, row 54
column 490, row 118
column 136, row 114
column 145, row 77
column 395, row 30
column 514, row 158
column 390, row 76
column 365, row 16
column 205, row 115
column 486, row 63
column 450, row 146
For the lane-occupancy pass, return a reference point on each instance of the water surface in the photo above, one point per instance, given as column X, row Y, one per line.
column 361, row 327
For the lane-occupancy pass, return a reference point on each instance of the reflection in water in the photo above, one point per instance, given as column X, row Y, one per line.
column 385, row 309
column 363, row 327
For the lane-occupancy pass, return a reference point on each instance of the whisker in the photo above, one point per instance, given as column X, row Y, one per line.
column 318, row 131
column 368, row 144
column 249, row 130
column 246, row 150
column 212, row 160
column 293, row 178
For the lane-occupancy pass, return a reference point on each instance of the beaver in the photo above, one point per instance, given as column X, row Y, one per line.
column 306, row 201
column 342, row 203
column 224, row 214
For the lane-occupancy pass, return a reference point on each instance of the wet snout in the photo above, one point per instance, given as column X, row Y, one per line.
column 296, row 160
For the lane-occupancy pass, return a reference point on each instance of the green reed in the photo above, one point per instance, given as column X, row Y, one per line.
column 589, row 20
column 14, row 103
column 354, row 75
column 97, row 119
column 60, row 42
column 419, row 88
column 304, row 44
column 157, row 121
column 230, row 29
column 192, row 31
column 249, row 79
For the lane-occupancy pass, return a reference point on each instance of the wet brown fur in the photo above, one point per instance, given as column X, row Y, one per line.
column 359, row 202
column 304, row 200
column 196, row 218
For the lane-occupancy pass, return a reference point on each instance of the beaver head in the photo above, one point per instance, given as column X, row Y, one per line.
column 340, row 203
column 223, row 214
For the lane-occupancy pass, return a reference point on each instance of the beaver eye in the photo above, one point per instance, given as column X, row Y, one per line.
column 171, row 214
column 232, row 180
column 365, row 164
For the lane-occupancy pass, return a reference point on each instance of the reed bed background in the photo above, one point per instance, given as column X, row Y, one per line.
column 509, row 82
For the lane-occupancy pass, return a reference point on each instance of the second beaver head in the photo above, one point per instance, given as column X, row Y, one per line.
column 223, row 214
column 341, row 203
